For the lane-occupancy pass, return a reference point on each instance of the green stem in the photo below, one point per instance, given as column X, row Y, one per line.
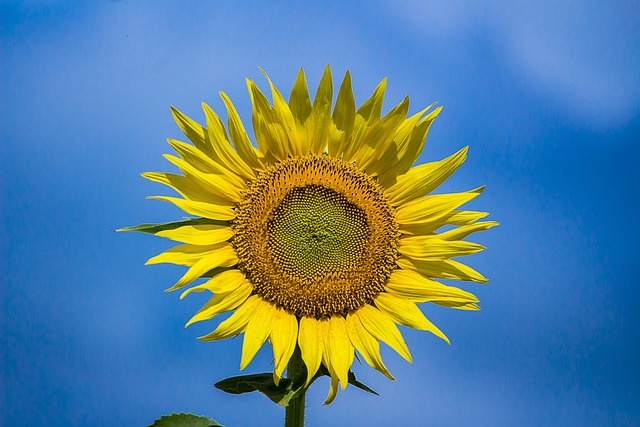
column 294, row 415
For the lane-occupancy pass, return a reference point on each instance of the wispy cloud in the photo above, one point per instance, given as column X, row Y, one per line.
column 583, row 55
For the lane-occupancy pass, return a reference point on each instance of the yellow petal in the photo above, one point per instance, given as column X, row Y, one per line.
column 320, row 118
column 406, row 313
column 452, row 218
column 410, row 131
column 391, row 158
column 221, row 283
column 458, row 305
column 300, row 106
column 354, row 144
column 220, row 303
column 379, row 136
column 372, row 107
column 224, row 154
column 225, row 186
column 424, row 178
column 185, row 254
column 192, row 130
column 338, row 348
column 432, row 208
column 443, row 269
column 197, row 158
column 236, row 323
column 203, row 209
column 333, row 391
column 431, row 248
column 224, row 257
column 414, row 145
column 464, row 217
column 408, row 146
column 323, row 327
column 284, row 336
column 257, row 331
column 267, row 130
column 299, row 101
column 366, row 344
column 199, row 234
column 311, row 347
column 343, row 116
column 284, row 120
column 371, row 135
column 382, row 327
column 239, row 137
column 413, row 285
column 187, row 188
column 464, row 231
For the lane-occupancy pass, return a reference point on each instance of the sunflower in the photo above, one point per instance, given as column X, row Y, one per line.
column 324, row 237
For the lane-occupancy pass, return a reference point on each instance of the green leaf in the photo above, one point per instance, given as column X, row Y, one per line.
column 281, row 394
column 184, row 420
column 154, row 228
column 285, row 391
column 244, row 383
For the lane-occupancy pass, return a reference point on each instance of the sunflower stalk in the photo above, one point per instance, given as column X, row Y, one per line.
column 294, row 413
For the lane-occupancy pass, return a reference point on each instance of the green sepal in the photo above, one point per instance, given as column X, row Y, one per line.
column 354, row 382
column 351, row 379
column 155, row 228
column 285, row 391
column 184, row 420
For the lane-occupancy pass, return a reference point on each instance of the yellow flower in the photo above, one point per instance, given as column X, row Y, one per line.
column 323, row 237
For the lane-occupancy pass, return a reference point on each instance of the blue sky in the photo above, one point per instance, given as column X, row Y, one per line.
column 546, row 96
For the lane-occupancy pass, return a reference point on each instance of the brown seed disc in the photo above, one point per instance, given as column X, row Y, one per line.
column 316, row 236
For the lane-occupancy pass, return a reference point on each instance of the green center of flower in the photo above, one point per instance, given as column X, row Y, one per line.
column 316, row 236
column 316, row 231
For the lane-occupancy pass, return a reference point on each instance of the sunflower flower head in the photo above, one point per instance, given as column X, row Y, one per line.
column 323, row 236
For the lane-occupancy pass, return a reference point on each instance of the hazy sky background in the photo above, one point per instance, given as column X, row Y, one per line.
column 546, row 95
